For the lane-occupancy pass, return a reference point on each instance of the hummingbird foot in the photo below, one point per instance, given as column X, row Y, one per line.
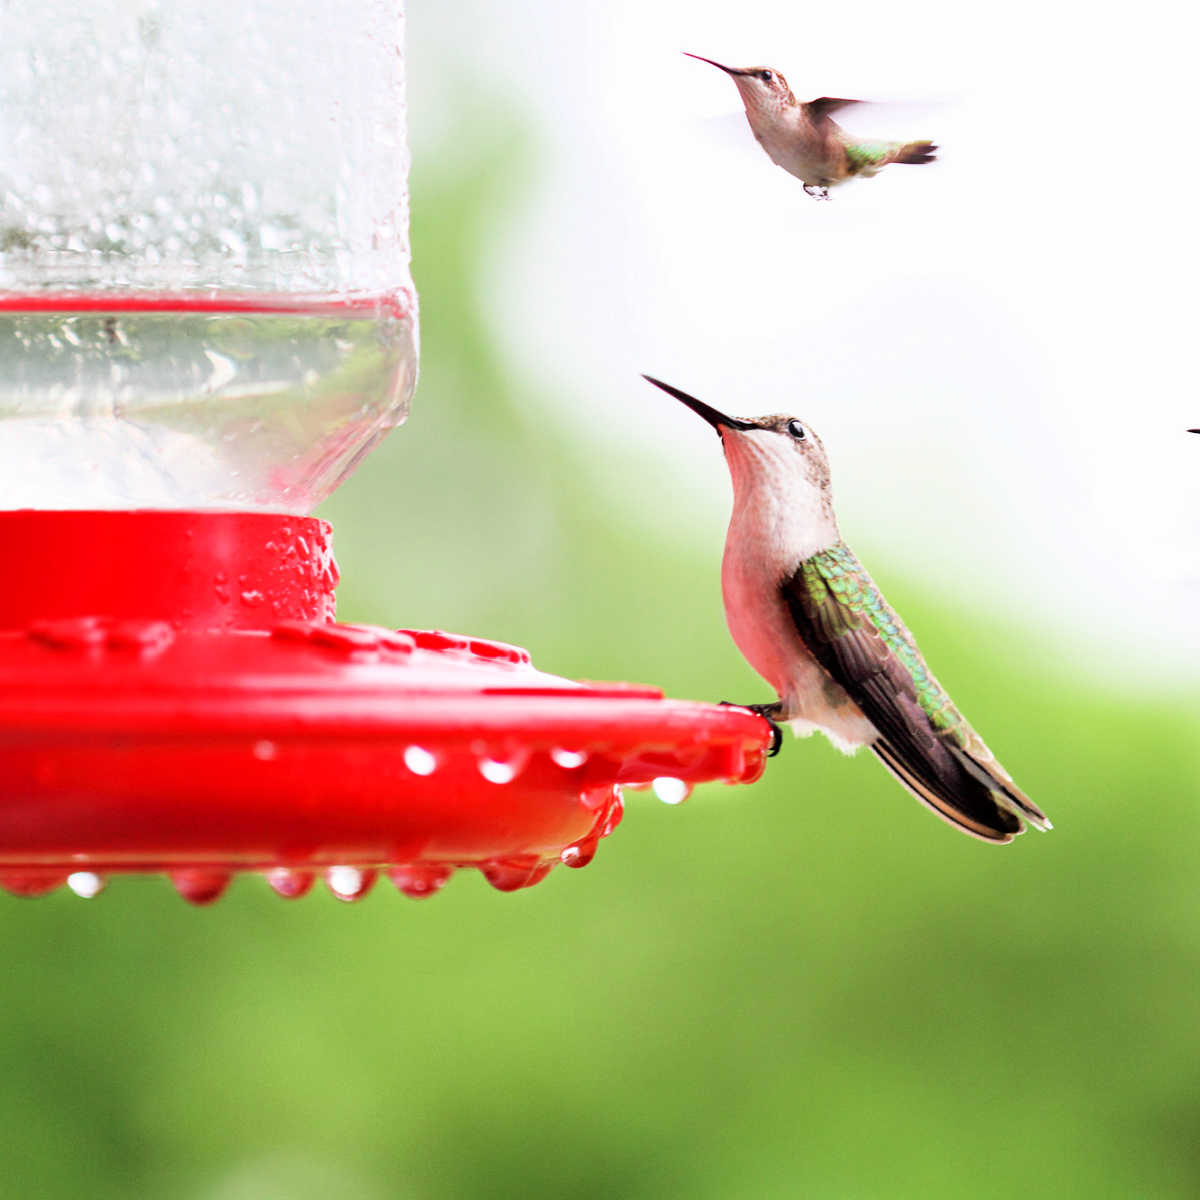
column 817, row 192
column 768, row 712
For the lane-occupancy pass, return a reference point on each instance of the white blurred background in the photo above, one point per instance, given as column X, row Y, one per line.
column 997, row 349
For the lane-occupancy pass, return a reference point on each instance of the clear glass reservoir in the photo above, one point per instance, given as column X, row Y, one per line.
column 205, row 298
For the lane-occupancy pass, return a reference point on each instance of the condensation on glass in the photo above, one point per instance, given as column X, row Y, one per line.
column 205, row 298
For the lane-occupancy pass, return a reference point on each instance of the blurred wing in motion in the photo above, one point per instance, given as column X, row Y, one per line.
column 820, row 109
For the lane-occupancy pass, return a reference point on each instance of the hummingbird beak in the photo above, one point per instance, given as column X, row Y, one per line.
column 716, row 419
column 719, row 66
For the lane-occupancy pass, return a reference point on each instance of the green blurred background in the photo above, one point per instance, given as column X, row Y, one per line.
column 808, row 987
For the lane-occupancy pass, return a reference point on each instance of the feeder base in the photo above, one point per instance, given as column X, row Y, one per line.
column 141, row 740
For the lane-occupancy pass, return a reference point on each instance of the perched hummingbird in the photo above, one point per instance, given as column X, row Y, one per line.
column 804, row 140
column 812, row 623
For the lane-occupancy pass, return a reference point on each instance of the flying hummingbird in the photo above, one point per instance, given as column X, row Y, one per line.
column 812, row 623
column 804, row 140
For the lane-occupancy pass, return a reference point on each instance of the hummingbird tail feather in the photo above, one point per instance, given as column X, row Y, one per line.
column 997, row 781
column 916, row 153
column 964, row 803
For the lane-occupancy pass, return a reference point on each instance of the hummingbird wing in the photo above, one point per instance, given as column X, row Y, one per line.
column 923, row 739
column 820, row 109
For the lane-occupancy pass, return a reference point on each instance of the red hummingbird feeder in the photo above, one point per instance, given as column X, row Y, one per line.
column 206, row 321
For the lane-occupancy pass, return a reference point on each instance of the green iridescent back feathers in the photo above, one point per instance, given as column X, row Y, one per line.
column 868, row 154
column 871, row 156
column 839, row 596
column 923, row 739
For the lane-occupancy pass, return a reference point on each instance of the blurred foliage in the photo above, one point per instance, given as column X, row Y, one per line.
column 809, row 987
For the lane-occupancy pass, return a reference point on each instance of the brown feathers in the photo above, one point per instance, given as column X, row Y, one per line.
column 820, row 109
column 916, row 153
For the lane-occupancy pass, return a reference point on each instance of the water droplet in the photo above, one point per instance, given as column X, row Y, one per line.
column 497, row 772
column 199, row 886
column 419, row 761
column 31, row 883
column 349, row 883
column 538, row 874
column 289, row 883
column 671, row 790
column 420, row 880
column 568, row 759
column 265, row 751
column 252, row 597
column 613, row 814
column 596, row 798
column 580, row 853
column 85, row 884
column 511, row 874
column 504, row 767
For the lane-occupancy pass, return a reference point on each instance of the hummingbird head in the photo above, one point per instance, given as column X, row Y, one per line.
column 777, row 463
column 763, row 89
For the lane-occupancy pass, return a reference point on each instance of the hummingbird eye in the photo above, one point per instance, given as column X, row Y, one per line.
column 766, row 76
column 796, row 429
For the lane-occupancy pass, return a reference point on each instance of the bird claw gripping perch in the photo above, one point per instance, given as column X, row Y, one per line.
column 767, row 712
